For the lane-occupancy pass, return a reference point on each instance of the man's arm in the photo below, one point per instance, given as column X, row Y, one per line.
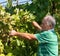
column 23, row 35
column 36, row 25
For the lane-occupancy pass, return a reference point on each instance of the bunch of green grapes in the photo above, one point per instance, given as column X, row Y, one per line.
column 1, row 49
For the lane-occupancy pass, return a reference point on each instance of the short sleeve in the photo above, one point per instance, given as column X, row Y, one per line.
column 42, row 37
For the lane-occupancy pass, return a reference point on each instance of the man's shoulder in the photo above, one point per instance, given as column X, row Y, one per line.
column 48, row 33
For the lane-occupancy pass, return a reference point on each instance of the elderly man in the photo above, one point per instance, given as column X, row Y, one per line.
column 48, row 43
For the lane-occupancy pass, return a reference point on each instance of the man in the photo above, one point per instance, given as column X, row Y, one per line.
column 47, row 38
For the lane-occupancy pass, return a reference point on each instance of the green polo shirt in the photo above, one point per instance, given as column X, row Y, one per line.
column 48, row 43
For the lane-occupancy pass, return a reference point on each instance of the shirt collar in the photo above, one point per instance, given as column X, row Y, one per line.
column 51, row 30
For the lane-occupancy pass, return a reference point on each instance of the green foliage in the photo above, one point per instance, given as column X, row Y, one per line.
column 19, row 21
column 9, row 4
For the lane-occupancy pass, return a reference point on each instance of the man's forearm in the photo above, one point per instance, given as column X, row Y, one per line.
column 36, row 25
column 25, row 35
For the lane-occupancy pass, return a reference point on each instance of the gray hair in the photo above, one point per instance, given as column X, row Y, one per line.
column 50, row 20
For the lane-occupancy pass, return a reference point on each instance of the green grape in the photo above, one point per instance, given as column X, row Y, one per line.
column 1, row 47
column 18, row 42
column 21, row 10
column 2, row 13
column 10, row 54
column 2, row 55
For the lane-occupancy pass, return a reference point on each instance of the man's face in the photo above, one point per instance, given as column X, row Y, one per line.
column 44, row 25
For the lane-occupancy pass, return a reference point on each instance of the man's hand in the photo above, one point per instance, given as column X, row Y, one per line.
column 13, row 33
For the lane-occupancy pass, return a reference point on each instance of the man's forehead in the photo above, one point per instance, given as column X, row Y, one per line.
column 44, row 21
